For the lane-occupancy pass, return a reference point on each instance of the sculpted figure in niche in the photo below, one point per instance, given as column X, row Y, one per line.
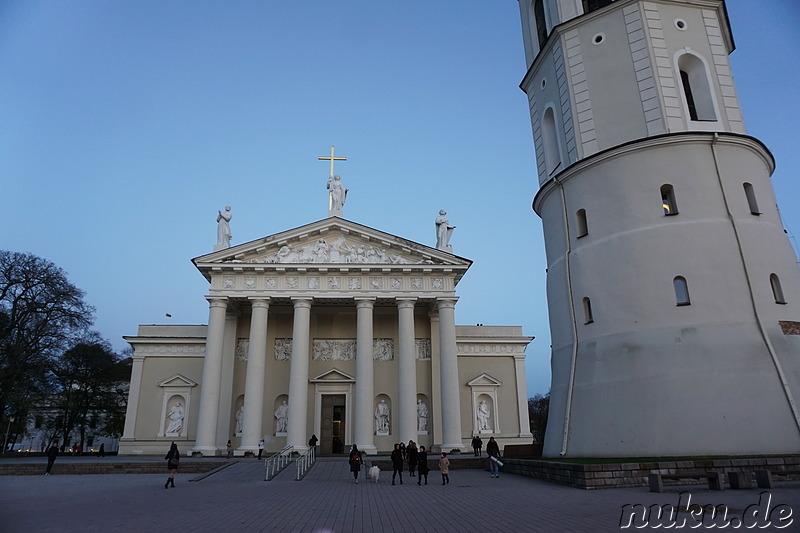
column 282, row 416
column 422, row 416
column 223, row 229
column 483, row 416
column 239, row 418
column 338, row 194
column 443, row 231
column 175, row 418
column 382, row 418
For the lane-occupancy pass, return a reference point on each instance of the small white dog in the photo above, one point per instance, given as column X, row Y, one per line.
column 374, row 472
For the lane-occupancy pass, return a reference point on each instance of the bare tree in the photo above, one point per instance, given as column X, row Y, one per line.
column 41, row 313
column 538, row 407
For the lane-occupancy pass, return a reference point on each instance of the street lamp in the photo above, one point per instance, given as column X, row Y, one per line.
column 8, row 429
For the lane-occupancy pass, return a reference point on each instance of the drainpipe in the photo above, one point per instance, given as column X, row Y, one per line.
column 567, row 269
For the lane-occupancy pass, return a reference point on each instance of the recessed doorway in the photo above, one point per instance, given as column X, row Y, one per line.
column 333, row 424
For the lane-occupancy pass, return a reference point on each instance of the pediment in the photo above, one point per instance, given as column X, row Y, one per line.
column 484, row 379
column 332, row 241
column 177, row 380
column 333, row 375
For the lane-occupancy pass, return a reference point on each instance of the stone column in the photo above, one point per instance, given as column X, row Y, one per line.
column 212, row 372
column 451, row 403
column 133, row 400
column 407, row 372
column 365, row 392
column 254, row 380
column 298, row 376
column 522, row 397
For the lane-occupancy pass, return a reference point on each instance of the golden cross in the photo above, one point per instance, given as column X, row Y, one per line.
column 332, row 159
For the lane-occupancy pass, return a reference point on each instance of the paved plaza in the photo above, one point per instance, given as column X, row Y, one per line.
column 238, row 499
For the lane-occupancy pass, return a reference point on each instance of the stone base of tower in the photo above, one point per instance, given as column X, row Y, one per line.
column 675, row 392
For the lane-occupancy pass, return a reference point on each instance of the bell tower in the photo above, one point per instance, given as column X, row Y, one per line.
column 673, row 291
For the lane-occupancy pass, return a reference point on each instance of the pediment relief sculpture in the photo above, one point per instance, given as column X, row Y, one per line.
column 335, row 250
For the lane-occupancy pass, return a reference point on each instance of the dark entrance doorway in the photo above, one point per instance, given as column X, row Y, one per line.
column 332, row 424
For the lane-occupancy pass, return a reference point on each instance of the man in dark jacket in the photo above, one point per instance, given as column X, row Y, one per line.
column 493, row 451
column 52, row 453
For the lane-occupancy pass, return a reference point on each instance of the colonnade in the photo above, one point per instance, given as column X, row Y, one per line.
column 405, row 417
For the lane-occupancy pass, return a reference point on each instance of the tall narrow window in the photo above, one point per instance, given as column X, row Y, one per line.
column 580, row 217
column 696, row 88
column 552, row 159
column 751, row 199
column 777, row 291
column 587, row 311
column 541, row 23
column 668, row 200
column 681, row 291
column 591, row 5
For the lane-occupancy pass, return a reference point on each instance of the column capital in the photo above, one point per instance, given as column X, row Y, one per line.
column 406, row 302
column 217, row 301
column 259, row 301
column 365, row 303
column 302, row 302
column 446, row 302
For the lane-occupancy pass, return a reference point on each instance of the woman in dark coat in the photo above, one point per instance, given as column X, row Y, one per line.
column 422, row 465
column 412, row 452
column 397, row 462
column 173, row 457
column 356, row 461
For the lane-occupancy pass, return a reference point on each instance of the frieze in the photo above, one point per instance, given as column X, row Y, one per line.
column 490, row 348
column 242, row 349
column 423, row 349
column 171, row 349
column 283, row 349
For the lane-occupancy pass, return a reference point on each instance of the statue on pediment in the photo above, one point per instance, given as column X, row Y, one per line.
column 443, row 232
column 223, row 229
column 337, row 195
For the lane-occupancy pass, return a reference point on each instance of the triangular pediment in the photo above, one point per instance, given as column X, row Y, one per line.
column 334, row 242
column 177, row 380
column 333, row 375
column 485, row 379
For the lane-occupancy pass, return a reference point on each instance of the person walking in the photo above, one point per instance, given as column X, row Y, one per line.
column 173, row 457
column 413, row 457
column 444, row 467
column 102, row 451
column 312, row 442
column 493, row 451
column 52, row 453
column 397, row 462
column 260, row 449
column 229, row 448
column 355, row 461
column 477, row 443
column 422, row 465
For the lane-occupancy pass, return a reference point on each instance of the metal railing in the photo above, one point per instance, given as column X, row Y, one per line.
column 275, row 463
column 305, row 462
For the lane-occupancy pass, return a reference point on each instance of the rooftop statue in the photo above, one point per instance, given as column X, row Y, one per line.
column 443, row 232
column 223, row 229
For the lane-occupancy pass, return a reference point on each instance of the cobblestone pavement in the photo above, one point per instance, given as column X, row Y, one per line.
column 237, row 498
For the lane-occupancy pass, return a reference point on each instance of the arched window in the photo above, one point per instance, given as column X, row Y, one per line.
column 696, row 88
column 552, row 157
column 583, row 228
column 751, row 199
column 681, row 291
column 668, row 200
column 777, row 291
column 541, row 22
column 587, row 311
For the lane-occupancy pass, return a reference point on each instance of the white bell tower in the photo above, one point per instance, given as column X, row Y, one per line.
column 673, row 291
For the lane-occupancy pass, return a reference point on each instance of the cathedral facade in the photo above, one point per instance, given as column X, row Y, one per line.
column 335, row 330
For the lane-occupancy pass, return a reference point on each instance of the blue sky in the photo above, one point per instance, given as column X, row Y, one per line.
column 127, row 125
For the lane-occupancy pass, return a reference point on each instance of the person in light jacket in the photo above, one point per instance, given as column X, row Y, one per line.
column 444, row 467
